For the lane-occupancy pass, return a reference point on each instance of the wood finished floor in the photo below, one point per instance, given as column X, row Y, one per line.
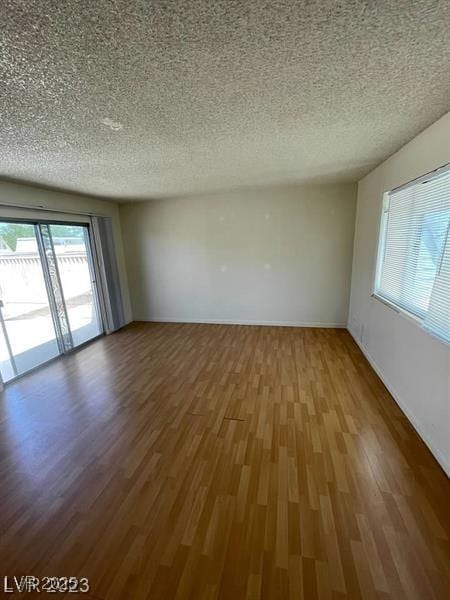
column 205, row 461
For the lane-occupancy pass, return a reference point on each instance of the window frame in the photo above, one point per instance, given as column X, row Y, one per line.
column 412, row 315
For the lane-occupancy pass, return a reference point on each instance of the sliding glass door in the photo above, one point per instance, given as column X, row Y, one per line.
column 28, row 336
column 75, row 267
column 48, row 296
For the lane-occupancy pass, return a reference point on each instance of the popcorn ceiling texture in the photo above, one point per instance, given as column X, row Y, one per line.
column 135, row 99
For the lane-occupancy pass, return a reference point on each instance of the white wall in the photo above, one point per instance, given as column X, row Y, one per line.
column 273, row 255
column 27, row 196
column 413, row 365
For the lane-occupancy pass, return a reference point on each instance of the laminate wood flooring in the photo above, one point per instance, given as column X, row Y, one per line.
column 220, row 462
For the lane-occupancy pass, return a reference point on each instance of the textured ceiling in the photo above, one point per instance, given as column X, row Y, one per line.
column 139, row 99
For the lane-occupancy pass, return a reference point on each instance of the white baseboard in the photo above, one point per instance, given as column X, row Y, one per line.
column 247, row 322
column 441, row 459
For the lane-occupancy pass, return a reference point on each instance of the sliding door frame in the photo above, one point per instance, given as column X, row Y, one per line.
column 97, row 282
column 48, row 285
column 54, row 288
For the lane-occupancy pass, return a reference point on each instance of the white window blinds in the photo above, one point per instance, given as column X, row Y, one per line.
column 413, row 269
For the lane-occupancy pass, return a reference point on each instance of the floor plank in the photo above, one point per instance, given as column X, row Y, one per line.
column 222, row 462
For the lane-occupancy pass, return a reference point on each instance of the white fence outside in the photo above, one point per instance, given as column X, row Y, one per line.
column 22, row 284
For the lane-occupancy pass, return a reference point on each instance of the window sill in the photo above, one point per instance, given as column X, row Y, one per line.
column 409, row 317
column 398, row 309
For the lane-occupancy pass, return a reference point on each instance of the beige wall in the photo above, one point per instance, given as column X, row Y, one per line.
column 28, row 196
column 279, row 255
column 413, row 365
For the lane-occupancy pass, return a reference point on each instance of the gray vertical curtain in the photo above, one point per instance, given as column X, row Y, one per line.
column 103, row 239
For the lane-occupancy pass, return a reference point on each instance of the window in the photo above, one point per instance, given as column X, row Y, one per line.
column 413, row 267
